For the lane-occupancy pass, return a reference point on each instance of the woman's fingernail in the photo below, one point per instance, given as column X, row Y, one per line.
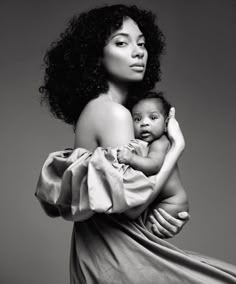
column 172, row 111
column 183, row 214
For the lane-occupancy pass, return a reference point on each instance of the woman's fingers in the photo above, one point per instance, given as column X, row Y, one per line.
column 184, row 215
column 170, row 219
column 173, row 130
column 172, row 112
column 159, row 230
column 165, row 222
column 165, row 225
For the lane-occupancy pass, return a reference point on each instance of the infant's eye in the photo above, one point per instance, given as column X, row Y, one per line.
column 154, row 117
column 137, row 119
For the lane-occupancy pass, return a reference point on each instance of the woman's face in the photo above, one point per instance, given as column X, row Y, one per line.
column 125, row 55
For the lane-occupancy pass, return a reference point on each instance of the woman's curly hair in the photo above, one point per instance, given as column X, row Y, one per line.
column 74, row 74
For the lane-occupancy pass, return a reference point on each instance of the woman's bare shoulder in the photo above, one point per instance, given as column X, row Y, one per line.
column 102, row 108
column 111, row 123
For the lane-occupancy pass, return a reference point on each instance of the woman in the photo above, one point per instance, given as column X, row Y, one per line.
column 104, row 57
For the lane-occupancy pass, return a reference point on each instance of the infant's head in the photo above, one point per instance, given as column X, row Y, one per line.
column 150, row 116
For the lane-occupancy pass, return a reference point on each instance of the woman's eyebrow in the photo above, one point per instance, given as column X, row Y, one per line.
column 126, row 35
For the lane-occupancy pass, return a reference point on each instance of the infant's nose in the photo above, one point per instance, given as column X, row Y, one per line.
column 145, row 122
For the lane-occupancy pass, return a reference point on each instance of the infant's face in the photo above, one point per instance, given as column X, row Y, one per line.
column 149, row 120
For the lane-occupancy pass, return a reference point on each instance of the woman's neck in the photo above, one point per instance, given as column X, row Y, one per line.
column 116, row 92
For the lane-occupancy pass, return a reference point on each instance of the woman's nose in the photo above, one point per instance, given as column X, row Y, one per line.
column 138, row 51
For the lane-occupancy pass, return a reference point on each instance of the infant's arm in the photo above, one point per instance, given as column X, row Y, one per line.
column 151, row 164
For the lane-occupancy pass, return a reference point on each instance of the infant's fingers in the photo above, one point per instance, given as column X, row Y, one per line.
column 120, row 151
column 119, row 157
column 126, row 147
column 172, row 220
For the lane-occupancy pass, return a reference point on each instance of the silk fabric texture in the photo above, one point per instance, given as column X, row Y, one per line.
column 93, row 190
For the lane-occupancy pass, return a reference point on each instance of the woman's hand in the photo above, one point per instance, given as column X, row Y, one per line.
column 174, row 132
column 166, row 226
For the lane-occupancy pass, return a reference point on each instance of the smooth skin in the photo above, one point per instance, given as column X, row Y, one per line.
column 149, row 119
column 106, row 122
column 149, row 125
column 125, row 56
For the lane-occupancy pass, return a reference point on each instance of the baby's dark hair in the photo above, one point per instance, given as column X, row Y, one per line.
column 74, row 74
column 155, row 95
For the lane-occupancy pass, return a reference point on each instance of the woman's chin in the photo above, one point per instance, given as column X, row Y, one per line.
column 137, row 78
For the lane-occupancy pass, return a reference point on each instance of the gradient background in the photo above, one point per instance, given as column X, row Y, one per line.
column 198, row 78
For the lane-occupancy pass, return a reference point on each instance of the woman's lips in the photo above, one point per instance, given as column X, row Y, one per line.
column 137, row 68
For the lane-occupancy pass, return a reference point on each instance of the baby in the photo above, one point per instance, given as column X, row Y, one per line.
column 150, row 116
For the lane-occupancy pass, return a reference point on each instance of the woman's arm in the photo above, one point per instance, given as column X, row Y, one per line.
column 173, row 199
column 171, row 158
column 119, row 131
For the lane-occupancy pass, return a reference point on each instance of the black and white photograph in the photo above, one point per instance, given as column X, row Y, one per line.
column 118, row 142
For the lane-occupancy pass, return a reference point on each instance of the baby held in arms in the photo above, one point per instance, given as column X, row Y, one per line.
column 150, row 116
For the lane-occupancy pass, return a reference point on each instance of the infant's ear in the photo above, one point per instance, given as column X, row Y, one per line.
column 166, row 123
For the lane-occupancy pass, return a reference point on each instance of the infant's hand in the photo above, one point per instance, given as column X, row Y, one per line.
column 124, row 156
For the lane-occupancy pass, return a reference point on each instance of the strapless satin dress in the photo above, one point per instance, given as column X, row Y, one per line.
column 93, row 190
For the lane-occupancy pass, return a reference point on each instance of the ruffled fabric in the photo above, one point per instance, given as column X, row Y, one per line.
column 109, row 248
column 77, row 183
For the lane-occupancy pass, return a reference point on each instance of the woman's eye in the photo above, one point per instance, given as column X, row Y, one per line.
column 121, row 43
column 142, row 44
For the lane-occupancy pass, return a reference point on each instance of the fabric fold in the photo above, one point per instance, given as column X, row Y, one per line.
column 77, row 183
column 111, row 248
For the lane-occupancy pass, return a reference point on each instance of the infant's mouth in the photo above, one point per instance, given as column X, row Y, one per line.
column 145, row 133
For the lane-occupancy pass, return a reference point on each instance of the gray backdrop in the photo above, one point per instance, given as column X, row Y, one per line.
column 198, row 78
